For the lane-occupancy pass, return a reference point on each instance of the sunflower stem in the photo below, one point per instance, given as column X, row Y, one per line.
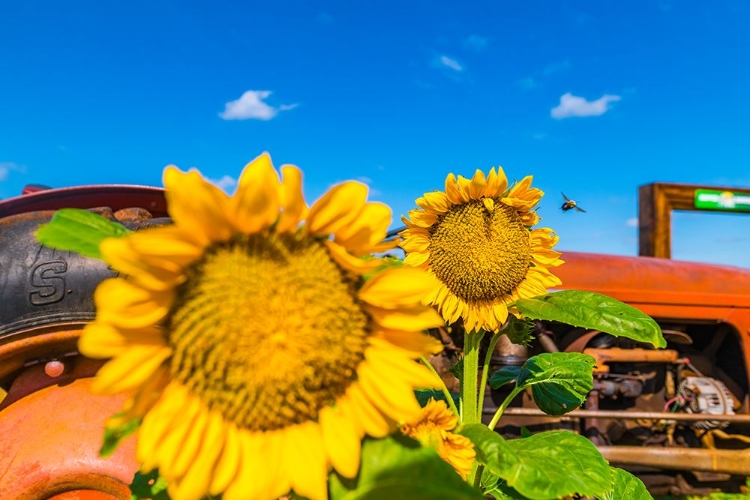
column 443, row 387
column 485, row 371
column 469, row 398
column 501, row 409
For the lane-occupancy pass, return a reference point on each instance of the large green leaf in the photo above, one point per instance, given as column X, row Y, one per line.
column 399, row 467
column 555, row 464
column 559, row 381
column 491, row 449
column 504, row 375
column 593, row 311
column 626, row 487
column 80, row 231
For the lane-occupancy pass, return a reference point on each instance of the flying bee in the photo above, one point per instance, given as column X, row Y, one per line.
column 570, row 204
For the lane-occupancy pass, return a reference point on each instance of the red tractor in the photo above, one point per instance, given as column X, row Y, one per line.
column 677, row 417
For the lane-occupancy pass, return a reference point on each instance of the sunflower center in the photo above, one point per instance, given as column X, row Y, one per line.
column 268, row 330
column 479, row 254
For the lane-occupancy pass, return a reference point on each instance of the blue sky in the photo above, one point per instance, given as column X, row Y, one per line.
column 593, row 98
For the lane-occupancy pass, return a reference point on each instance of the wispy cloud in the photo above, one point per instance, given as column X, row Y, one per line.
column 251, row 106
column 571, row 106
column 632, row 222
column 556, row 67
column 476, row 42
column 226, row 182
column 7, row 166
column 451, row 63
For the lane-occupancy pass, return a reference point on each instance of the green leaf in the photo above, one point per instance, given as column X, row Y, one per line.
column 491, row 449
column 626, row 487
column 149, row 486
column 113, row 435
column 593, row 311
column 555, row 464
column 504, row 375
column 399, row 467
column 559, row 381
column 80, row 231
column 424, row 396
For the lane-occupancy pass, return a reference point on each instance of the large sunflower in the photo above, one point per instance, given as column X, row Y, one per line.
column 257, row 353
column 476, row 239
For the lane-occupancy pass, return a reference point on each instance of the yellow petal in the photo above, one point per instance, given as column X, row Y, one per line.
column 154, row 274
column 194, row 485
column 156, row 423
column 388, row 393
column 368, row 229
column 422, row 219
column 337, row 208
column 255, row 204
column 416, row 243
column 306, row 461
column 191, row 445
column 197, row 205
column 101, row 340
column 350, row 262
column 252, row 476
column 291, row 199
column 398, row 287
column 411, row 319
column 416, row 343
column 229, row 462
column 436, row 201
column 169, row 451
column 497, row 183
column 383, row 356
column 341, row 441
column 372, row 420
column 417, row 259
column 478, row 185
column 130, row 369
column 452, row 191
column 121, row 303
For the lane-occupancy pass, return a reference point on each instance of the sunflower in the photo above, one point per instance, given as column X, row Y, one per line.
column 433, row 429
column 259, row 339
column 476, row 239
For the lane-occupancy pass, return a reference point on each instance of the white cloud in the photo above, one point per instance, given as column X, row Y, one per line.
column 226, row 182
column 251, row 106
column 450, row 63
column 632, row 222
column 571, row 105
column 7, row 166
column 476, row 42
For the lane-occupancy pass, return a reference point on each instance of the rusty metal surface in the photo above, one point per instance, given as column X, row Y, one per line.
column 651, row 280
column 628, row 415
column 115, row 196
column 698, row 459
column 50, row 435
column 618, row 355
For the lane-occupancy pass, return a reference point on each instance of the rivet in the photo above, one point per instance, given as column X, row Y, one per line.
column 54, row 368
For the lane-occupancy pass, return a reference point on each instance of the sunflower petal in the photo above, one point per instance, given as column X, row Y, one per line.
column 337, row 208
column 255, row 204
column 291, row 199
column 130, row 369
column 367, row 230
column 196, row 204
